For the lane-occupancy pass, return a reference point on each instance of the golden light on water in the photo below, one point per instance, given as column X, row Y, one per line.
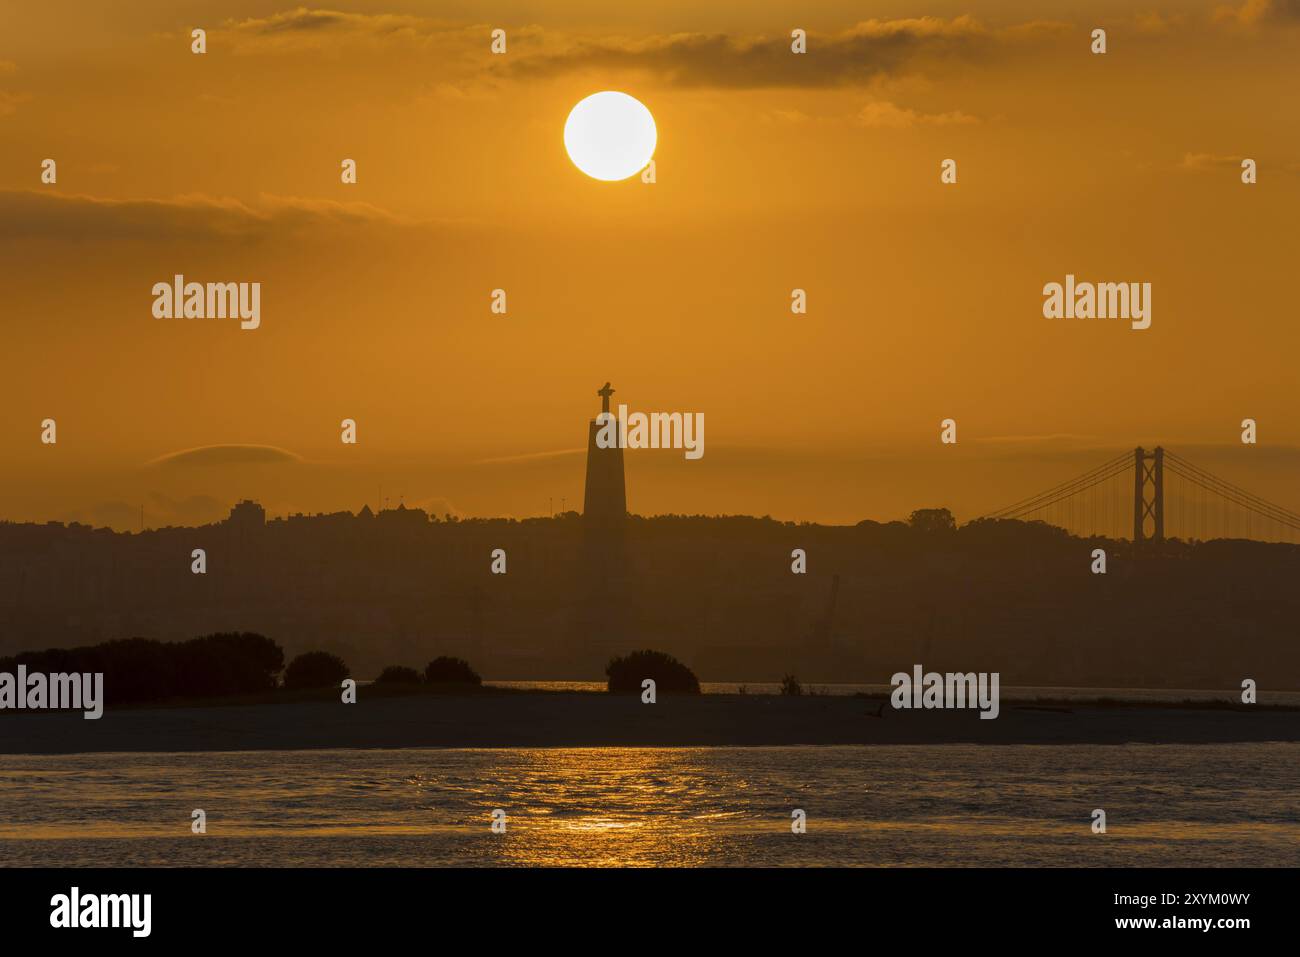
column 647, row 807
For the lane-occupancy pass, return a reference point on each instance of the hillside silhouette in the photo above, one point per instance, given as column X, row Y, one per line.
column 717, row 593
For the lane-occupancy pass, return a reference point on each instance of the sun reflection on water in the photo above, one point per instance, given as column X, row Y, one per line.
column 648, row 807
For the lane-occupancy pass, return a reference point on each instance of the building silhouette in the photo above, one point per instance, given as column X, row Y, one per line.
column 603, row 624
column 604, row 506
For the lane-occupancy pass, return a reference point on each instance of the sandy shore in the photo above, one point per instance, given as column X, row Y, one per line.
column 591, row 720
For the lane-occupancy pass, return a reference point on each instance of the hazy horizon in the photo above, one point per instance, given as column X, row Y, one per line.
column 774, row 172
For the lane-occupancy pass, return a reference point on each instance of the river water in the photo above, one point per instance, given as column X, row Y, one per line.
column 1234, row 804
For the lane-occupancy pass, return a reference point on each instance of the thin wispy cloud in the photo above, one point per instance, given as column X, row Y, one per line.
column 531, row 457
column 33, row 214
column 306, row 30
column 210, row 456
column 854, row 56
column 1251, row 13
column 887, row 115
column 1203, row 162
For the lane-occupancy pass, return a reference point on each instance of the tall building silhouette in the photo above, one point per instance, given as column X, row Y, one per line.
column 604, row 504
column 603, row 610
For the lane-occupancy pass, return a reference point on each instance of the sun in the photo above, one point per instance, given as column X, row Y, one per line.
column 610, row 135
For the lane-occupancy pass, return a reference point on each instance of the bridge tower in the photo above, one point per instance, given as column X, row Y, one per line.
column 1145, row 475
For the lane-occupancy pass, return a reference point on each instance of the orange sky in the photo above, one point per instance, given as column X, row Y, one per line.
column 774, row 172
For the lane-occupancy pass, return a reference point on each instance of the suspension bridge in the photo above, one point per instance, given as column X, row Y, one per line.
column 1151, row 496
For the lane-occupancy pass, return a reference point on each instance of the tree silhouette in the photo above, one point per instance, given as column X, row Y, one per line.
column 932, row 520
column 315, row 669
column 398, row 675
column 445, row 670
column 625, row 674
column 142, row 669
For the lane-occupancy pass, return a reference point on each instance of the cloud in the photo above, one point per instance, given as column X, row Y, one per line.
column 1254, row 12
column 530, row 457
column 225, row 455
column 304, row 21
column 878, row 114
column 305, row 30
column 1154, row 22
column 1211, row 162
column 853, row 56
column 1204, row 162
column 314, row 212
column 883, row 114
column 40, row 214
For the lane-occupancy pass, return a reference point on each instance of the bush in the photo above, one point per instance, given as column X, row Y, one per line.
column 228, row 663
column 315, row 669
column 790, row 686
column 670, row 675
column 451, row 671
column 141, row 669
column 398, row 675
